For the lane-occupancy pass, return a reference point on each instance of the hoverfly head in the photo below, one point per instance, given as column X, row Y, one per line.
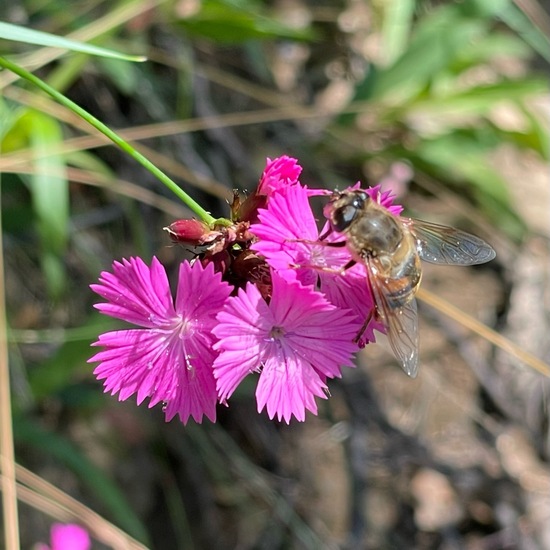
column 344, row 207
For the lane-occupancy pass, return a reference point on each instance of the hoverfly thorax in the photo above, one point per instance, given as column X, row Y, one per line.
column 378, row 232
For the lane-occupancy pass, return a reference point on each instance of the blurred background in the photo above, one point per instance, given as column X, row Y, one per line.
column 446, row 103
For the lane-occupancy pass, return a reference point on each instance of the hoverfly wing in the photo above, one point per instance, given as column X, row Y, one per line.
column 401, row 323
column 440, row 244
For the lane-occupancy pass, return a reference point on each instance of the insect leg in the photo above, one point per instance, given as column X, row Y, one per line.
column 338, row 271
column 324, row 235
column 338, row 244
column 359, row 335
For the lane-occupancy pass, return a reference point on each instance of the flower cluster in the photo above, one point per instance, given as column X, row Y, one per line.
column 268, row 293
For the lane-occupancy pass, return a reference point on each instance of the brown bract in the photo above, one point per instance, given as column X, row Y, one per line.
column 228, row 247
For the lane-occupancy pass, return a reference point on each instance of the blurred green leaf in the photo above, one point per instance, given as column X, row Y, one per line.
column 483, row 8
column 123, row 75
column 512, row 15
column 88, row 161
column 396, row 27
column 477, row 100
column 494, row 45
column 530, row 131
column 30, row 433
column 436, row 44
column 536, row 139
column 49, row 189
column 232, row 22
column 30, row 36
column 538, row 136
column 9, row 115
column 67, row 71
column 55, row 274
column 458, row 157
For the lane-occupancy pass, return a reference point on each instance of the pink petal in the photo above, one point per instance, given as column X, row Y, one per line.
column 134, row 360
column 162, row 367
column 136, row 293
column 192, row 390
column 352, row 291
column 385, row 198
column 231, row 367
column 288, row 386
column 314, row 327
column 69, row 537
column 278, row 174
column 201, row 293
column 286, row 222
column 242, row 328
column 293, row 339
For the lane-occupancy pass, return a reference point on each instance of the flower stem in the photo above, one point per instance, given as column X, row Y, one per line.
column 115, row 138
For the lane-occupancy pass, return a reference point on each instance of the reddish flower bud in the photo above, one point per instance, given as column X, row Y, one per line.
column 192, row 232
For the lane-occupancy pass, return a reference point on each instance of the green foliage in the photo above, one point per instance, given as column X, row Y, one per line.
column 49, row 190
column 124, row 75
column 39, row 38
column 517, row 20
column 434, row 47
column 458, row 157
column 425, row 94
column 228, row 21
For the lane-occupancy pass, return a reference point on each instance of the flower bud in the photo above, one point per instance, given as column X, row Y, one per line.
column 192, row 232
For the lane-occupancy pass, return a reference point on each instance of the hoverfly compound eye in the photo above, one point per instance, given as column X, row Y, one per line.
column 343, row 208
column 342, row 217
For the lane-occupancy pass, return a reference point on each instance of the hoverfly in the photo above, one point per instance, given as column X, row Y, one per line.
column 391, row 248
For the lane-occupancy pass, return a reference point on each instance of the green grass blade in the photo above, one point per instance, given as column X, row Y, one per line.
column 435, row 46
column 39, row 38
column 396, row 28
column 533, row 36
column 49, row 189
column 115, row 138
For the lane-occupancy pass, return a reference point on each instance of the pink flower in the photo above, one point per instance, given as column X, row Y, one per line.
column 170, row 358
column 296, row 322
column 67, row 537
column 278, row 174
column 288, row 238
column 282, row 229
column 296, row 342
column 385, row 198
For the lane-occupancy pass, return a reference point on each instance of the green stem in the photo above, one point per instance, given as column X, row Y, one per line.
column 124, row 145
